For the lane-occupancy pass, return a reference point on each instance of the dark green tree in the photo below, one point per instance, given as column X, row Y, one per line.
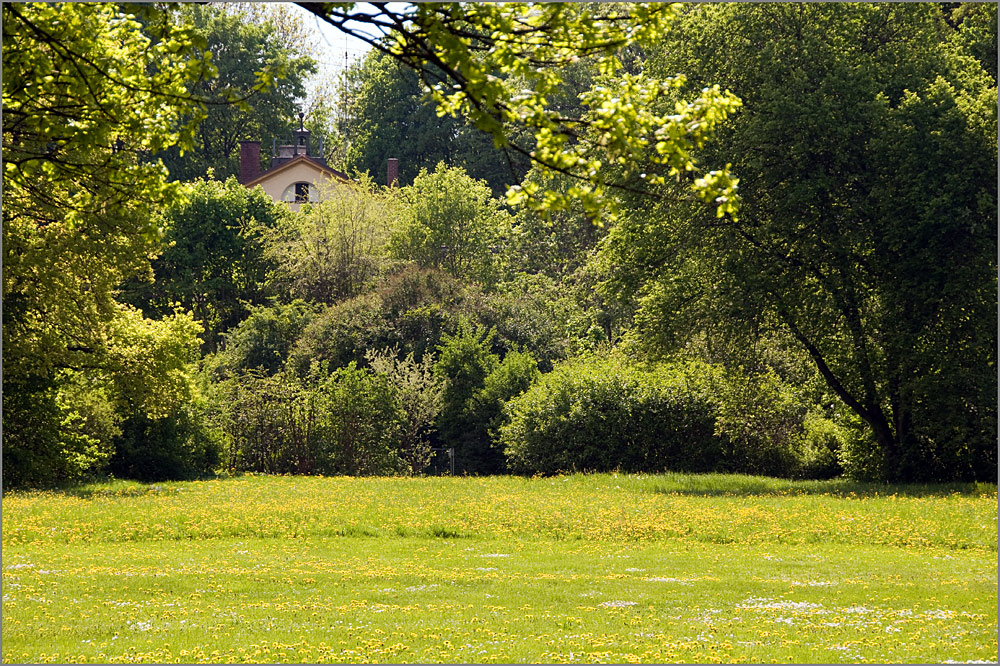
column 214, row 264
column 244, row 52
column 976, row 32
column 387, row 113
column 866, row 152
column 464, row 362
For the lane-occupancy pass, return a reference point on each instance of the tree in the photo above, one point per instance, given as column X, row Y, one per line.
column 976, row 32
column 88, row 93
column 214, row 264
column 450, row 221
column 866, row 152
column 420, row 396
column 65, row 425
column 464, row 362
column 386, row 113
column 262, row 341
column 245, row 52
column 498, row 65
column 335, row 249
column 293, row 34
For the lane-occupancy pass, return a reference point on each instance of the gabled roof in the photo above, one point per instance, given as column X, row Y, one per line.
column 333, row 173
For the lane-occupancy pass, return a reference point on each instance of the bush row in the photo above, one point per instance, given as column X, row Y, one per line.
column 501, row 414
column 603, row 414
column 349, row 421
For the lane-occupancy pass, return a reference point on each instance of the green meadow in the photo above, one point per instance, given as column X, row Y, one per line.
column 585, row 568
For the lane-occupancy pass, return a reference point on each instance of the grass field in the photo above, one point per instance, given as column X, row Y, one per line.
column 611, row 568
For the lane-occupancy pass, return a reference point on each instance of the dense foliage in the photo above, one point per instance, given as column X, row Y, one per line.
column 451, row 222
column 213, row 263
column 344, row 422
column 386, row 113
column 780, row 261
column 607, row 413
column 235, row 107
column 88, row 90
column 866, row 151
column 336, row 248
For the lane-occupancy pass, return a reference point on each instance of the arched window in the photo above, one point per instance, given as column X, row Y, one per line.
column 301, row 192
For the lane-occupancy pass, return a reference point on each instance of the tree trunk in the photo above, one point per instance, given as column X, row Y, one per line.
column 871, row 411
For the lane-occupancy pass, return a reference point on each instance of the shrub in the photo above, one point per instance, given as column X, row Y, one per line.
column 822, row 440
column 343, row 422
column 530, row 313
column 606, row 413
column 342, row 333
column 360, row 424
column 175, row 447
column 414, row 287
column 264, row 339
column 483, row 414
column 421, row 329
column 420, row 306
column 464, row 362
column 477, row 384
column 420, row 395
column 859, row 456
column 511, row 378
column 265, row 419
column 762, row 419
column 603, row 414
column 46, row 441
column 412, row 311
column 953, row 438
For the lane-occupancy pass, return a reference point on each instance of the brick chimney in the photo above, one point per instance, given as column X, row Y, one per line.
column 392, row 172
column 249, row 160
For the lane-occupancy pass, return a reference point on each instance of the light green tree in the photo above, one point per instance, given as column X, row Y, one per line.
column 501, row 66
column 334, row 249
column 89, row 92
column 420, row 395
column 448, row 220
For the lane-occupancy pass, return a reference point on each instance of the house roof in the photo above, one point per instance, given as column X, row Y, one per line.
column 311, row 161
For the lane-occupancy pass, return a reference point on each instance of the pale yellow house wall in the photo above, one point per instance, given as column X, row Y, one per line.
column 275, row 184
